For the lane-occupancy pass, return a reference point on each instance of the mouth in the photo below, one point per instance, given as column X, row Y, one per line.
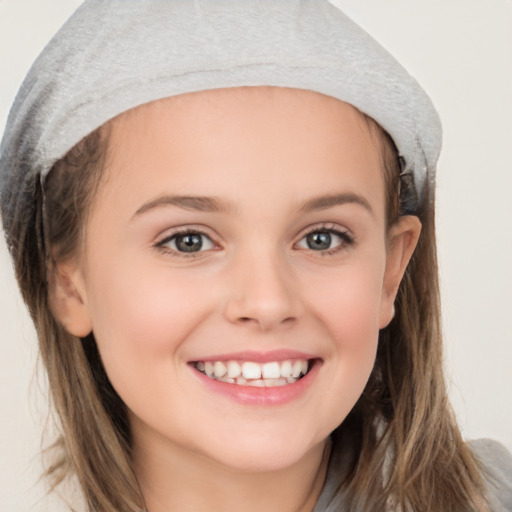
column 254, row 374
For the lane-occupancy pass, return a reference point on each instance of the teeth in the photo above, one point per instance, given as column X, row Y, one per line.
column 251, row 370
column 256, row 383
column 208, row 368
column 225, row 378
column 286, row 369
column 249, row 373
column 219, row 369
column 296, row 368
column 272, row 383
column 234, row 369
column 271, row 371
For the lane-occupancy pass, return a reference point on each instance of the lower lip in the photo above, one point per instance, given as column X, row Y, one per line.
column 250, row 395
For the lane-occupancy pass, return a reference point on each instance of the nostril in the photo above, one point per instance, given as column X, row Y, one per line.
column 247, row 320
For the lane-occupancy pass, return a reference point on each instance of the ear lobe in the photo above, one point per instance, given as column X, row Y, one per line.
column 403, row 238
column 67, row 299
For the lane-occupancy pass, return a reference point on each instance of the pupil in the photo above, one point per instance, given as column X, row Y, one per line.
column 319, row 241
column 189, row 243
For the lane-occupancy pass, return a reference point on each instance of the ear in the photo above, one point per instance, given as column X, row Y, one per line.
column 68, row 299
column 403, row 238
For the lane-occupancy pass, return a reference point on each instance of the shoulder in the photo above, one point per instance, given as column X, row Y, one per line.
column 496, row 462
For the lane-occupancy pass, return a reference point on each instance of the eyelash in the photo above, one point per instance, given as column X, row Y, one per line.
column 162, row 244
column 346, row 241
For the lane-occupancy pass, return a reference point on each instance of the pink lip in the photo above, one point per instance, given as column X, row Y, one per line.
column 248, row 395
column 259, row 357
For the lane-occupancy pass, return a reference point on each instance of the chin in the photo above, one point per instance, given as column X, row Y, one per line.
column 262, row 454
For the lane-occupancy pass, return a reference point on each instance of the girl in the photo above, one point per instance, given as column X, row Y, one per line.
column 224, row 231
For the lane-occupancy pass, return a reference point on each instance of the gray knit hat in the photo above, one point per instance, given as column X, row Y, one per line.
column 113, row 55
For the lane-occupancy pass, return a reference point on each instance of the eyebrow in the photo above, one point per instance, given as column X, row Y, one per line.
column 328, row 201
column 212, row 204
column 192, row 203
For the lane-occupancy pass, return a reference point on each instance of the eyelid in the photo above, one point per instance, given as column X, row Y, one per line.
column 344, row 233
column 171, row 234
column 325, row 226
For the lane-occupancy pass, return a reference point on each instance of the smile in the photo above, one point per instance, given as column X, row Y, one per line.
column 250, row 373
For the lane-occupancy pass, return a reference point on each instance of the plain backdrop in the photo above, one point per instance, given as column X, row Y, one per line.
column 461, row 52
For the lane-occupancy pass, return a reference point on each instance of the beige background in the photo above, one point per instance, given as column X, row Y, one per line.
column 461, row 51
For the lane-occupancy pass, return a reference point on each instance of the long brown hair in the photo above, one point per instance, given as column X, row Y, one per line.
column 403, row 424
column 407, row 454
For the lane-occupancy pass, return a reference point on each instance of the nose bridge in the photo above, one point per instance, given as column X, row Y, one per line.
column 262, row 289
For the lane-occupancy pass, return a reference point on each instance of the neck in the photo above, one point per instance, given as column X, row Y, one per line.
column 175, row 479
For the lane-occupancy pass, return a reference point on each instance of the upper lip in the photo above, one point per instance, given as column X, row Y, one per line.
column 258, row 356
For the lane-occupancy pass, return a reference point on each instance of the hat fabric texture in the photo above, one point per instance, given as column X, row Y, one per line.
column 113, row 55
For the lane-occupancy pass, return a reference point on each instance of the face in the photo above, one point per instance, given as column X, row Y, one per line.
column 237, row 242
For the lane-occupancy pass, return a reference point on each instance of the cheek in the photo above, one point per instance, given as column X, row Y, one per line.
column 348, row 309
column 348, row 304
column 140, row 320
column 354, row 329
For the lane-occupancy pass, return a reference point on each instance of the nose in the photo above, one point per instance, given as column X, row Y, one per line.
column 263, row 293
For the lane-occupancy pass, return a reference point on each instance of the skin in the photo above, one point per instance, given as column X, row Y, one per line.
column 265, row 155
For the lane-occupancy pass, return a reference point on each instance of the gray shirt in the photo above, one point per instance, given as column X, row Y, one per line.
column 495, row 459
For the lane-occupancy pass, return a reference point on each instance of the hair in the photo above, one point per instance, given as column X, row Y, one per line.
column 408, row 453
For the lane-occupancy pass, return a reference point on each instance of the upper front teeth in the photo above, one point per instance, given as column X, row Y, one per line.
column 251, row 371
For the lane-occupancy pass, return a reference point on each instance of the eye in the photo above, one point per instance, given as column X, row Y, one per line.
column 322, row 240
column 187, row 242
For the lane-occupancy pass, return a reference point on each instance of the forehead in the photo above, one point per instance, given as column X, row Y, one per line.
column 291, row 139
column 246, row 107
